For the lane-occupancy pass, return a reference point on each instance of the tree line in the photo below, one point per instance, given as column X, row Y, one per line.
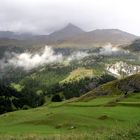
column 77, row 88
column 11, row 100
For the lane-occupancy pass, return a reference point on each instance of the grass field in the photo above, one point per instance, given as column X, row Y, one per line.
column 74, row 120
column 78, row 74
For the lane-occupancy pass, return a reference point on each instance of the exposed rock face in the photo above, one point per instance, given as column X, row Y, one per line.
column 122, row 69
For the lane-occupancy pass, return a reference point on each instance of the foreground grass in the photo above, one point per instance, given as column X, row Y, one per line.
column 87, row 120
column 115, row 134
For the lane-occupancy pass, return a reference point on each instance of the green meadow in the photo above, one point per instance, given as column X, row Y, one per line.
column 73, row 119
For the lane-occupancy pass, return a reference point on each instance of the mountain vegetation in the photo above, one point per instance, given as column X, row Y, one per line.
column 134, row 46
column 91, row 116
column 124, row 87
column 78, row 98
column 11, row 100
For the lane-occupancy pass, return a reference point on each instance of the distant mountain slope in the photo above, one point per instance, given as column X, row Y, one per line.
column 73, row 36
column 14, row 35
column 69, row 31
column 8, row 49
column 100, row 37
column 6, row 34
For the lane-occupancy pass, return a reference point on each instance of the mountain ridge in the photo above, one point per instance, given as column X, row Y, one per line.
column 73, row 36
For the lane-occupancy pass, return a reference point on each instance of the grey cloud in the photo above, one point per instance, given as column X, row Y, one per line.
column 45, row 16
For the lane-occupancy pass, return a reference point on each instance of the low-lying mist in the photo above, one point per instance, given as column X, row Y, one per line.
column 109, row 49
column 29, row 60
column 48, row 55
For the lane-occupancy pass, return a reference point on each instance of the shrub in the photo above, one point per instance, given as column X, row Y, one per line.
column 56, row 98
column 25, row 107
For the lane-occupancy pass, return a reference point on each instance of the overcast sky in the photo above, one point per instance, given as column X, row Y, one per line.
column 45, row 16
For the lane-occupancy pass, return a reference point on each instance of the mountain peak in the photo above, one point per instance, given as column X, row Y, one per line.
column 71, row 26
column 69, row 30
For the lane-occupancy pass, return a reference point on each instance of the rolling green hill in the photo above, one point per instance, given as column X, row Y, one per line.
column 77, row 120
column 92, row 116
column 121, row 87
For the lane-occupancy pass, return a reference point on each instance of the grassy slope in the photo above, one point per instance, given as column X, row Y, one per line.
column 71, row 117
column 89, row 118
column 78, row 74
column 117, row 87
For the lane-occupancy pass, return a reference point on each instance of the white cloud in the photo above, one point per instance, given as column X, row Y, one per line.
column 77, row 56
column 108, row 49
column 29, row 61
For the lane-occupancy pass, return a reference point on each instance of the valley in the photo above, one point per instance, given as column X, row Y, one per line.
column 70, row 85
